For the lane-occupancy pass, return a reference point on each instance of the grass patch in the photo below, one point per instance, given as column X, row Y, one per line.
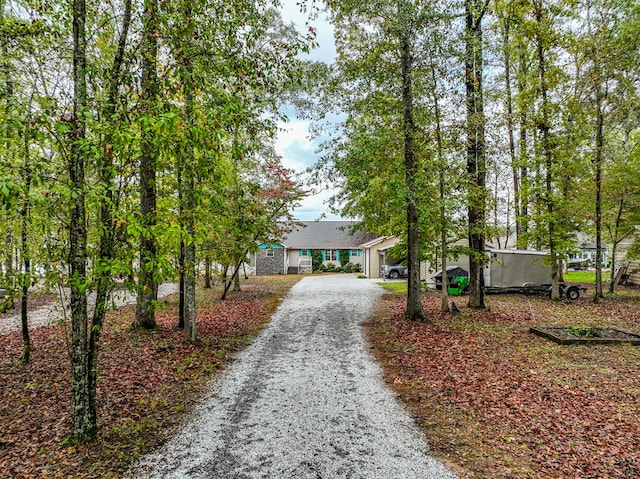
column 588, row 277
column 398, row 287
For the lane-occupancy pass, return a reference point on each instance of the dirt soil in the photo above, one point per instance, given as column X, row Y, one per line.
column 496, row 401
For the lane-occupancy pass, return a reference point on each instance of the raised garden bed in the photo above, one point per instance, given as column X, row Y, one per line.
column 586, row 335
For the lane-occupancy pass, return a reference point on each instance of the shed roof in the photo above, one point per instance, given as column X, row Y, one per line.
column 326, row 235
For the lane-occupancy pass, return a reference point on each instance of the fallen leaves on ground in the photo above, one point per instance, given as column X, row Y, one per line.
column 148, row 381
column 498, row 401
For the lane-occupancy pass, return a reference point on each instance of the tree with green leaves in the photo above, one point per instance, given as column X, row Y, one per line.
column 82, row 414
column 149, row 88
column 475, row 11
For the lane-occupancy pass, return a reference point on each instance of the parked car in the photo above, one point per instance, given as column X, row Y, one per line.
column 394, row 271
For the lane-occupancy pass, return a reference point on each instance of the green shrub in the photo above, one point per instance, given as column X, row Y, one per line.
column 316, row 259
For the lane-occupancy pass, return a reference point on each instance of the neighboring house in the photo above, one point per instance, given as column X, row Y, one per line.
column 632, row 266
column 292, row 255
column 586, row 250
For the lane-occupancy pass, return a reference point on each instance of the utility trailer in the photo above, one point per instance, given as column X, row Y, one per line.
column 511, row 271
column 523, row 271
column 569, row 291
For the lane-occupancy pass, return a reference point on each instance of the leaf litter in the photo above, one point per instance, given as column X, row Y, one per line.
column 496, row 401
column 148, row 383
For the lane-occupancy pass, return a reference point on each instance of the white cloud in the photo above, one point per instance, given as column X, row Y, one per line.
column 298, row 152
column 295, row 146
column 294, row 143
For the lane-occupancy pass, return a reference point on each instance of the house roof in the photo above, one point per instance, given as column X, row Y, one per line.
column 376, row 240
column 326, row 235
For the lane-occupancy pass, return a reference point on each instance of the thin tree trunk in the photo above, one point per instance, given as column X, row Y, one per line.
column 236, row 281
column 190, row 332
column 207, row 272
column 476, row 168
column 614, row 245
column 414, row 310
column 147, row 281
column 26, row 261
column 82, row 417
column 8, row 134
column 181, row 164
column 102, row 269
column 515, row 170
column 598, row 187
column 181, row 273
column 545, row 133
column 523, row 200
column 444, row 294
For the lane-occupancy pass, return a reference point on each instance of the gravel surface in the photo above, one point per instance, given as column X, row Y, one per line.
column 305, row 400
column 58, row 310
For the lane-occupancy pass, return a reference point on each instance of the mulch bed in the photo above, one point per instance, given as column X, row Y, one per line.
column 587, row 335
column 497, row 401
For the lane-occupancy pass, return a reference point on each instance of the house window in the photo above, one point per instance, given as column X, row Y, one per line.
column 354, row 252
column 305, row 252
column 331, row 255
column 269, row 253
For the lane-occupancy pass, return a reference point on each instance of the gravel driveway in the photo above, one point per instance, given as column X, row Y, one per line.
column 59, row 310
column 305, row 400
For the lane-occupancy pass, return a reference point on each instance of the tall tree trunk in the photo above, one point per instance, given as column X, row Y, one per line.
column 545, row 138
column 181, row 278
column 190, row 332
column 598, row 187
column 102, row 268
column 515, row 170
column 82, row 417
column 414, row 310
column 444, row 250
column 147, row 281
column 26, row 262
column 476, row 168
column 523, row 197
column 8, row 133
column 181, row 164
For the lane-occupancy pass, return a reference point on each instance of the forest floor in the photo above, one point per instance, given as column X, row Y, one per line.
column 493, row 399
column 498, row 401
column 148, row 382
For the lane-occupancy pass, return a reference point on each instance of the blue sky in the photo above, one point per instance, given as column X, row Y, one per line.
column 294, row 142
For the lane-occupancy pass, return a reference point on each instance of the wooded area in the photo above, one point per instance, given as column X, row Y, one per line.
column 137, row 140
column 523, row 126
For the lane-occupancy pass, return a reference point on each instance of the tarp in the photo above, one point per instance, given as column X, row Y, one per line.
column 452, row 272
